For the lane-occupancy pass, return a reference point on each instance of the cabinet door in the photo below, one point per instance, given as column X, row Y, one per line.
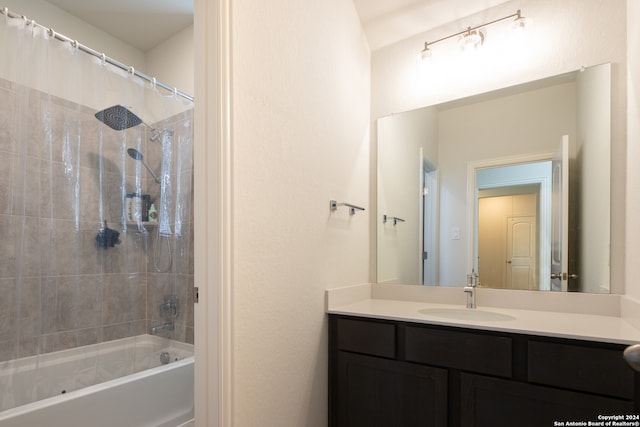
column 377, row 392
column 494, row 402
column 581, row 368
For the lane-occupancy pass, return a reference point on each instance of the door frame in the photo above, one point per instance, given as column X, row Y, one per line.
column 213, row 237
column 430, row 230
column 545, row 207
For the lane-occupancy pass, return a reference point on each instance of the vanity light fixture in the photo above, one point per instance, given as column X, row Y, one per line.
column 473, row 37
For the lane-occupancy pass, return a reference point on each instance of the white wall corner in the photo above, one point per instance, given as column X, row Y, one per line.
column 630, row 310
column 338, row 297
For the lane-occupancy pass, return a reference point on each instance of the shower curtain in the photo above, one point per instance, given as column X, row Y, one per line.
column 75, row 267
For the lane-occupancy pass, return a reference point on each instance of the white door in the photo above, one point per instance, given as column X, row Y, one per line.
column 430, row 228
column 560, row 220
column 521, row 253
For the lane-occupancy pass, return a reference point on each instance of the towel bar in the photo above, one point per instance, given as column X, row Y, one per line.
column 333, row 205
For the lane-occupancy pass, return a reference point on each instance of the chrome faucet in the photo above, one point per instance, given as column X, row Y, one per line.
column 470, row 289
column 168, row 312
column 168, row 326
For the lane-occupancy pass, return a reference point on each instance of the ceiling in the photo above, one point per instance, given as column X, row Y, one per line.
column 146, row 23
column 142, row 24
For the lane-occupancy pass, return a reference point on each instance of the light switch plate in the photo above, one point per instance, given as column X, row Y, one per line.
column 455, row 233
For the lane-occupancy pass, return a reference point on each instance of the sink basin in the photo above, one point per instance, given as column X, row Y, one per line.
column 466, row 314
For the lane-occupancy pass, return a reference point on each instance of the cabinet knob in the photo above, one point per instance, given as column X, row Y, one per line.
column 632, row 356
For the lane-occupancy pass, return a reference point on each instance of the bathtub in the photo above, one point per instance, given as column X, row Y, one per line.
column 117, row 383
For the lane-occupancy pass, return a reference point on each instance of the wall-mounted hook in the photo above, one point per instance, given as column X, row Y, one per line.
column 395, row 219
column 333, row 205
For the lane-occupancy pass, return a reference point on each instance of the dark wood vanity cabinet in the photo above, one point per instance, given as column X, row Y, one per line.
column 401, row 374
column 378, row 392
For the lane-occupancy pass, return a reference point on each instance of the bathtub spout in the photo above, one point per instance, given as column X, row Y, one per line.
column 168, row 326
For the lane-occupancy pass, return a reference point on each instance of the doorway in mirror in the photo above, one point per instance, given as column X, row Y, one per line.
column 508, row 237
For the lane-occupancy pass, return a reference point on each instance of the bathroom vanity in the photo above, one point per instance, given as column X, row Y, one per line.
column 399, row 363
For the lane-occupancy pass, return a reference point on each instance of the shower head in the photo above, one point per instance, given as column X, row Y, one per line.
column 136, row 155
column 118, row 117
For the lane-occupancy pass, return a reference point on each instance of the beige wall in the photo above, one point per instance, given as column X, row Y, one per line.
column 300, row 84
column 633, row 150
column 172, row 61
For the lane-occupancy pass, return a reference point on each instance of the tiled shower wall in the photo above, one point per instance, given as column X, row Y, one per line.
column 58, row 290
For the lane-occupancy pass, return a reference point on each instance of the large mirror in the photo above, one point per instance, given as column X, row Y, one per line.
column 512, row 184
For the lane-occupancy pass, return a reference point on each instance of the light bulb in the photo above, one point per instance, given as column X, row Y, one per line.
column 470, row 41
column 425, row 54
column 520, row 24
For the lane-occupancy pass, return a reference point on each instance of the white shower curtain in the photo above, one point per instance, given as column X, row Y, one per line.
column 64, row 175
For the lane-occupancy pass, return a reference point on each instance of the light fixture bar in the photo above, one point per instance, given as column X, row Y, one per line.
column 516, row 15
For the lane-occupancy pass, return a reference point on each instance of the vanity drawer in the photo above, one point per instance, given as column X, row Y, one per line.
column 577, row 367
column 367, row 337
column 474, row 352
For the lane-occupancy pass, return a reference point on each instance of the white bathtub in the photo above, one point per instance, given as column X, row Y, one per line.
column 118, row 383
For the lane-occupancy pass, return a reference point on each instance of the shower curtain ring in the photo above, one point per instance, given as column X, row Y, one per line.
column 153, row 82
column 51, row 33
column 103, row 58
column 132, row 71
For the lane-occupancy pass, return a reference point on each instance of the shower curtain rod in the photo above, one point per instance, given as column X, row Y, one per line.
column 5, row 11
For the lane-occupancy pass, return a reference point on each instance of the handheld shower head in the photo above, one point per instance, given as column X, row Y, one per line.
column 136, row 155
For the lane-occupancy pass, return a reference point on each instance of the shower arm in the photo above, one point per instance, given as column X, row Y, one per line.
column 156, row 134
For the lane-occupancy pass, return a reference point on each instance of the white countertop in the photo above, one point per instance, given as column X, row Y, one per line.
column 591, row 327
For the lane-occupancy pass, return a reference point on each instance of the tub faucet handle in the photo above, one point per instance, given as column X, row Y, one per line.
column 169, row 309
